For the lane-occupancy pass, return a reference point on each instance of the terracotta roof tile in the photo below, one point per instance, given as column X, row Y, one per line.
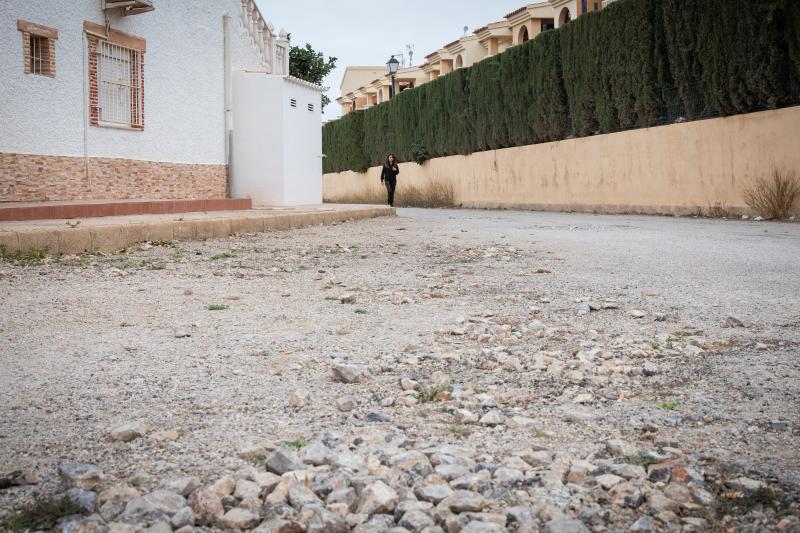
column 517, row 11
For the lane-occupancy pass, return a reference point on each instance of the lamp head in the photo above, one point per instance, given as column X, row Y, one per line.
column 393, row 64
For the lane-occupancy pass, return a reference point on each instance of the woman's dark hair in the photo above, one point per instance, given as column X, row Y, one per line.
column 394, row 157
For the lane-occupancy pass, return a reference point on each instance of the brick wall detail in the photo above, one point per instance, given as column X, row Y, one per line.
column 27, row 178
column 94, row 99
column 26, row 51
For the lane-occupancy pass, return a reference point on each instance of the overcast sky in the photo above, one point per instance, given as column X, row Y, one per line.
column 368, row 33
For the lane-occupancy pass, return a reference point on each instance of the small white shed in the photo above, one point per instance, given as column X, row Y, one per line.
column 277, row 140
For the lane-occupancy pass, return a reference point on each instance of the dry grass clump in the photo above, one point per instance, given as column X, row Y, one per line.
column 717, row 210
column 432, row 194
column 772, row 197
column 369, row 195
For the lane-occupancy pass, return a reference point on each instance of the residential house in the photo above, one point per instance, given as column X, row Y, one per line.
column 112, row 99
column 354, row 79
column 377, row 90
column 568, row 10
column 516, row 28
column 529, row 21
column 467, row 51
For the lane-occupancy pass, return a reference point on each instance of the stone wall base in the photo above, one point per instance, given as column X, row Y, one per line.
column 31, row 178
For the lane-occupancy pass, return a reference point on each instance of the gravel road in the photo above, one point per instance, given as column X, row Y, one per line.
column 547, row 320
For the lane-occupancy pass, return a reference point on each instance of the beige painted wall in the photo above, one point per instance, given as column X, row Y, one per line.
column 356, row 77
column 676, row 169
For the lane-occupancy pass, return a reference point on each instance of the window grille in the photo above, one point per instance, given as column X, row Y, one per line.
column 120, row 85
column 40, row 55
column 293, row 102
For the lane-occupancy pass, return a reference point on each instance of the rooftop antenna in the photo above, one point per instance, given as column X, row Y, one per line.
column 410, row 53
column 466, row 30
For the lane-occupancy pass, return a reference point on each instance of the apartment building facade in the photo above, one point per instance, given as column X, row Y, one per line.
column 514, row 29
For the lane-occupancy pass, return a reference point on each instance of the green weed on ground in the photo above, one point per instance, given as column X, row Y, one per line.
column 673, row 405
column 34, row 256
column 223, row 255
column 43, row 514
column 642, row 459
column 428, row 394
column 297, row 444
column 217, row 307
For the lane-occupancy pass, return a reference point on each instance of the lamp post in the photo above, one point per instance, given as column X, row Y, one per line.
column 393, row 64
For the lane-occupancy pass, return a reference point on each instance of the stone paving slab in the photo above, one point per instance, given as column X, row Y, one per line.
column 109, row 234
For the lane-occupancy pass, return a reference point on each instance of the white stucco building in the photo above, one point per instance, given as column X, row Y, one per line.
column 108, row 99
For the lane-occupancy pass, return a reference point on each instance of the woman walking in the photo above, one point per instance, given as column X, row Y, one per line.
column 389, row 176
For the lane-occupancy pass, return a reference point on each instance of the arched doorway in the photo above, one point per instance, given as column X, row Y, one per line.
column 524, row 36
column 459, row 61
column 564, row 17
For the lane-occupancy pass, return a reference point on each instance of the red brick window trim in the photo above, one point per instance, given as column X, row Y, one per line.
column 38, row 48
column 116, row 78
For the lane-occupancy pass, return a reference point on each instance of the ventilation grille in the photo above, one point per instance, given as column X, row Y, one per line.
column 311, row 107
column 293, row 102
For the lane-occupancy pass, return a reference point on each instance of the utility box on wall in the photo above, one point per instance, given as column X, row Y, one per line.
column 277, row 140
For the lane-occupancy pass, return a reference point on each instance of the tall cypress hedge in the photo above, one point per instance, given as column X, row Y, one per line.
column 549, row 112
column 637, row 63
column 793, row 42
column 342, row 142
column 729, row 57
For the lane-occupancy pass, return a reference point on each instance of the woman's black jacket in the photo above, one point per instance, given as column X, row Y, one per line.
column 389, row 172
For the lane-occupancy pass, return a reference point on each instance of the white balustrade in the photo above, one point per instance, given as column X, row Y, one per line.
column 272, row 50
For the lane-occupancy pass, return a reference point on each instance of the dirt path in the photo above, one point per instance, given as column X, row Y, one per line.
column 569, row 330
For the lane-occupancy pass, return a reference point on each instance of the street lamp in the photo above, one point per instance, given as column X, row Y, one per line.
column 393, row 64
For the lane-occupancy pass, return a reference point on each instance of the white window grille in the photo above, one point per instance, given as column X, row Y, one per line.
column 120, row 86
column 40, row 52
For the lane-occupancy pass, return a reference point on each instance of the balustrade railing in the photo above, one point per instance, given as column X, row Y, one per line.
column 272, row 48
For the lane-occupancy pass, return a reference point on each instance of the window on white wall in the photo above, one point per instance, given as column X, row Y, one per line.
column 116, row 77
column 38, row 48
column 120, row 85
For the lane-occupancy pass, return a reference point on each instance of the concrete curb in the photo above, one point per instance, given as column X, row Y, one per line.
column 112, row 237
